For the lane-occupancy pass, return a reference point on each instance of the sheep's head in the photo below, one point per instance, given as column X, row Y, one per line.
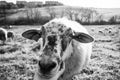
column 55, row 43
column 10, row 35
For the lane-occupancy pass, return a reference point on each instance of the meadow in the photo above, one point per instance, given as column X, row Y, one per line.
column 18, row 62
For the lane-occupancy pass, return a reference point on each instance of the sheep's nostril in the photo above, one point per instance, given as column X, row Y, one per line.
column 47, row 67
column 53, row 65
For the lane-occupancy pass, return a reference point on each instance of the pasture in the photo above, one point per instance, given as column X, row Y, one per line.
column 18, row 62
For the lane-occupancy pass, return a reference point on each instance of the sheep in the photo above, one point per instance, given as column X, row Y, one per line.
column 65, row 50
column 4, row 35
column 10, row 27
column 10, row 35
column 92, row 29
column 100, row 32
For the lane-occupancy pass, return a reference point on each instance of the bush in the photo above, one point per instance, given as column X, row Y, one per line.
column 25, row 21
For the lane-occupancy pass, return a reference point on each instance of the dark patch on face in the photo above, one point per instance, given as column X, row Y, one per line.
column 65, row 41
column 50, row 46
column 66, row 38
column 61, row 30
column 55, row 50
column 52, row 40
column 61, row 65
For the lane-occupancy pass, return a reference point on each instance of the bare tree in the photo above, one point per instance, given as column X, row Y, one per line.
column 113, row 19
column 62, row 14
column 29, row 13
column 33, row 14
column 71, row 13
column 3, row 11
column 94, row 13
column 37, row 14
column 99, row 18
column 88, row 15
column 51, row 11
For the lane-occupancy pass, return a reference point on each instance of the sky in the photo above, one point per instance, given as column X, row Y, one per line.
column 84, row 3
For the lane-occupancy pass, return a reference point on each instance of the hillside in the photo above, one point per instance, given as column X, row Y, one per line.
column 85, row 15
column 106, row 12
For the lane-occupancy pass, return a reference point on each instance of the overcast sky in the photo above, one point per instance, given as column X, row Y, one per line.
column 84, row 3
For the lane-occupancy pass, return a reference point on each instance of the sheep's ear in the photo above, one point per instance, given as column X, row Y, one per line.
column 83, row 37
column 32, row 34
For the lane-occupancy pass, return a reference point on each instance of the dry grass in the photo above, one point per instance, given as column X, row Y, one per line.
column 17, row 62
column 105, row 59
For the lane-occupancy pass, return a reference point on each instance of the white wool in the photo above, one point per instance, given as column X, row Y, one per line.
column 81, row 52
column 5, row 31
column 70, row 24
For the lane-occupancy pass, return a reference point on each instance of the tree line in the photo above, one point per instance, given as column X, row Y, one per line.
column 85, row 16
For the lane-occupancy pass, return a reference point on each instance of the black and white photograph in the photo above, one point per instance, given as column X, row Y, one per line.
column 59, row 40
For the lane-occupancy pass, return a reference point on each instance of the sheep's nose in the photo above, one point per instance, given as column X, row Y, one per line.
column 47, row 67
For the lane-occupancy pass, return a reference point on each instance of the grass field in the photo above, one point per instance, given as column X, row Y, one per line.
column 17, row 62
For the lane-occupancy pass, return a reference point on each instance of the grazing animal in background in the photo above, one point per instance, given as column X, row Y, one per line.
column 10, row 35
column 7, row 27
column 10, row 26
column 93, row 29
column 65, row 50
column 4, row 35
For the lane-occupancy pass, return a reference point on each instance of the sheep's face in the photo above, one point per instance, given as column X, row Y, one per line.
column 50, row 61
column 10, row 35
column 55, row 42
